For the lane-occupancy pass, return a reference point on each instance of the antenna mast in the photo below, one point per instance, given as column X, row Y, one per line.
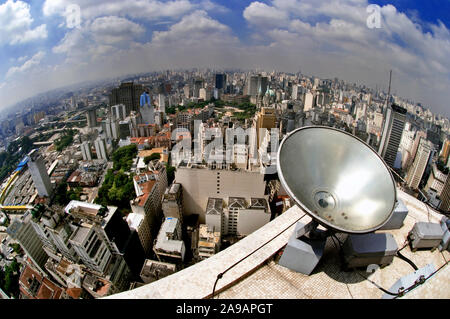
column 389, row 88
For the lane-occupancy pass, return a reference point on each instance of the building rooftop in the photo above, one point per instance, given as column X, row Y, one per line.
column 153, row 268
column 80, row 234
column 214, row 206
column 260, row 276
column 134, row 220
column 38, row 287
column 164, row 243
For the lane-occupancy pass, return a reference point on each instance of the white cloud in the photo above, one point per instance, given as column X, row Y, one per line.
column 113, row 29
column 324, row 38
column 101, row 37
column 144, row 9
column 196, row 28
column 336, row 34
column 262, row 15
column 27, row 66
column 16, row 24
column 209, row 5
column 22, row 58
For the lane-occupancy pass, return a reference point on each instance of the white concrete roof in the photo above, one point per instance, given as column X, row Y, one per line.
column 260, row 276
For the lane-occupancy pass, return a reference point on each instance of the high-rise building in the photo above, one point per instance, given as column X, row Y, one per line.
column 186, row 91
column 199, row 184
column 198, row 84
column 444, row 156
column 100, row 148
column 115, row 129
column 221, row 80
column 54, row 231
column 169, row 244
column 205, row 94
column 146, row 109
column 128, row 94
column 86, row 151
column 420, row 163
column 91, row 117
column 145, row 218
column 172, row 202
column 119, row 112
column 436, row 180
column 101, row 227
column 238, row 216
column 394, row 122
column 39, row 174
column 92, row 250
column 161, row 103
column 257, row 85
column 309, row 102
column 22, row 231
column 264, row 119
column 124, row 129
column 445, row 196
column 185, row 120
column 208, row 241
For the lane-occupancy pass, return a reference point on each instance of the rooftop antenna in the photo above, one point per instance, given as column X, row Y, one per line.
column 389, row 89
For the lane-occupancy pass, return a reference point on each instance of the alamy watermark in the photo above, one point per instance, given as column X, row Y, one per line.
column 232, row 146
column 373, row 21
column 73, row 16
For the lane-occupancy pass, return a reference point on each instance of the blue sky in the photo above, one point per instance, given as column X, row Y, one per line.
column 40, row 51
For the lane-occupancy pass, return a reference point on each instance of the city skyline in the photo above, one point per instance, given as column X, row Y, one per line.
column 111, row 199
column 115, row 39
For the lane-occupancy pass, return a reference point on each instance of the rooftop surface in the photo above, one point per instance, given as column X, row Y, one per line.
column 260, row 276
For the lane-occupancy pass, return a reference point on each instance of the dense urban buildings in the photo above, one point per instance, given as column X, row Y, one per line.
column 150, row 176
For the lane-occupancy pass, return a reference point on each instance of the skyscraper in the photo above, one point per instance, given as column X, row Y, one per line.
column 394, row 122
column 257, row 85
column 39, row 174
column 265, row 119
column 128, row 94
column 162, row 103
column 91, row 117
column 146, row 109
column 22, row 231
column 221, row 80
column 86, row 151
column 420, row 162
column 445, row 151
column 119, row 111
column 100, row 148
column 445, row 196
column 309, row 102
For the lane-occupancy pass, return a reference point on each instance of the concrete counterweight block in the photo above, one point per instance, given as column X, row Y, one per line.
column 302, row 255
column 445, row 225
column 368, row 249
column 398, row 216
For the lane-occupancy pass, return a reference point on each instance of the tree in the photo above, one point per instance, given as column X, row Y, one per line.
column 9, row 279
column 61, row 197
column 170, row 173
column 151, row 157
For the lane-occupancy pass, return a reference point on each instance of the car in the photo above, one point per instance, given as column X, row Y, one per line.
column 10, row 250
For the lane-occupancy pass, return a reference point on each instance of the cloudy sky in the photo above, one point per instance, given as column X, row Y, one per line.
column 44, row 44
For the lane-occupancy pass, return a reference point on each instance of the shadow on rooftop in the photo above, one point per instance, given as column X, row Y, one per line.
column 331, row 264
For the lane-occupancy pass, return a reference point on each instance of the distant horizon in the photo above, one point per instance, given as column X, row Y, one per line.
column 51, row 46
column 79, row 85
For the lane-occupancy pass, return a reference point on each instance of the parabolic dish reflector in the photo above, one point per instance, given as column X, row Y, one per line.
column 337, row 179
